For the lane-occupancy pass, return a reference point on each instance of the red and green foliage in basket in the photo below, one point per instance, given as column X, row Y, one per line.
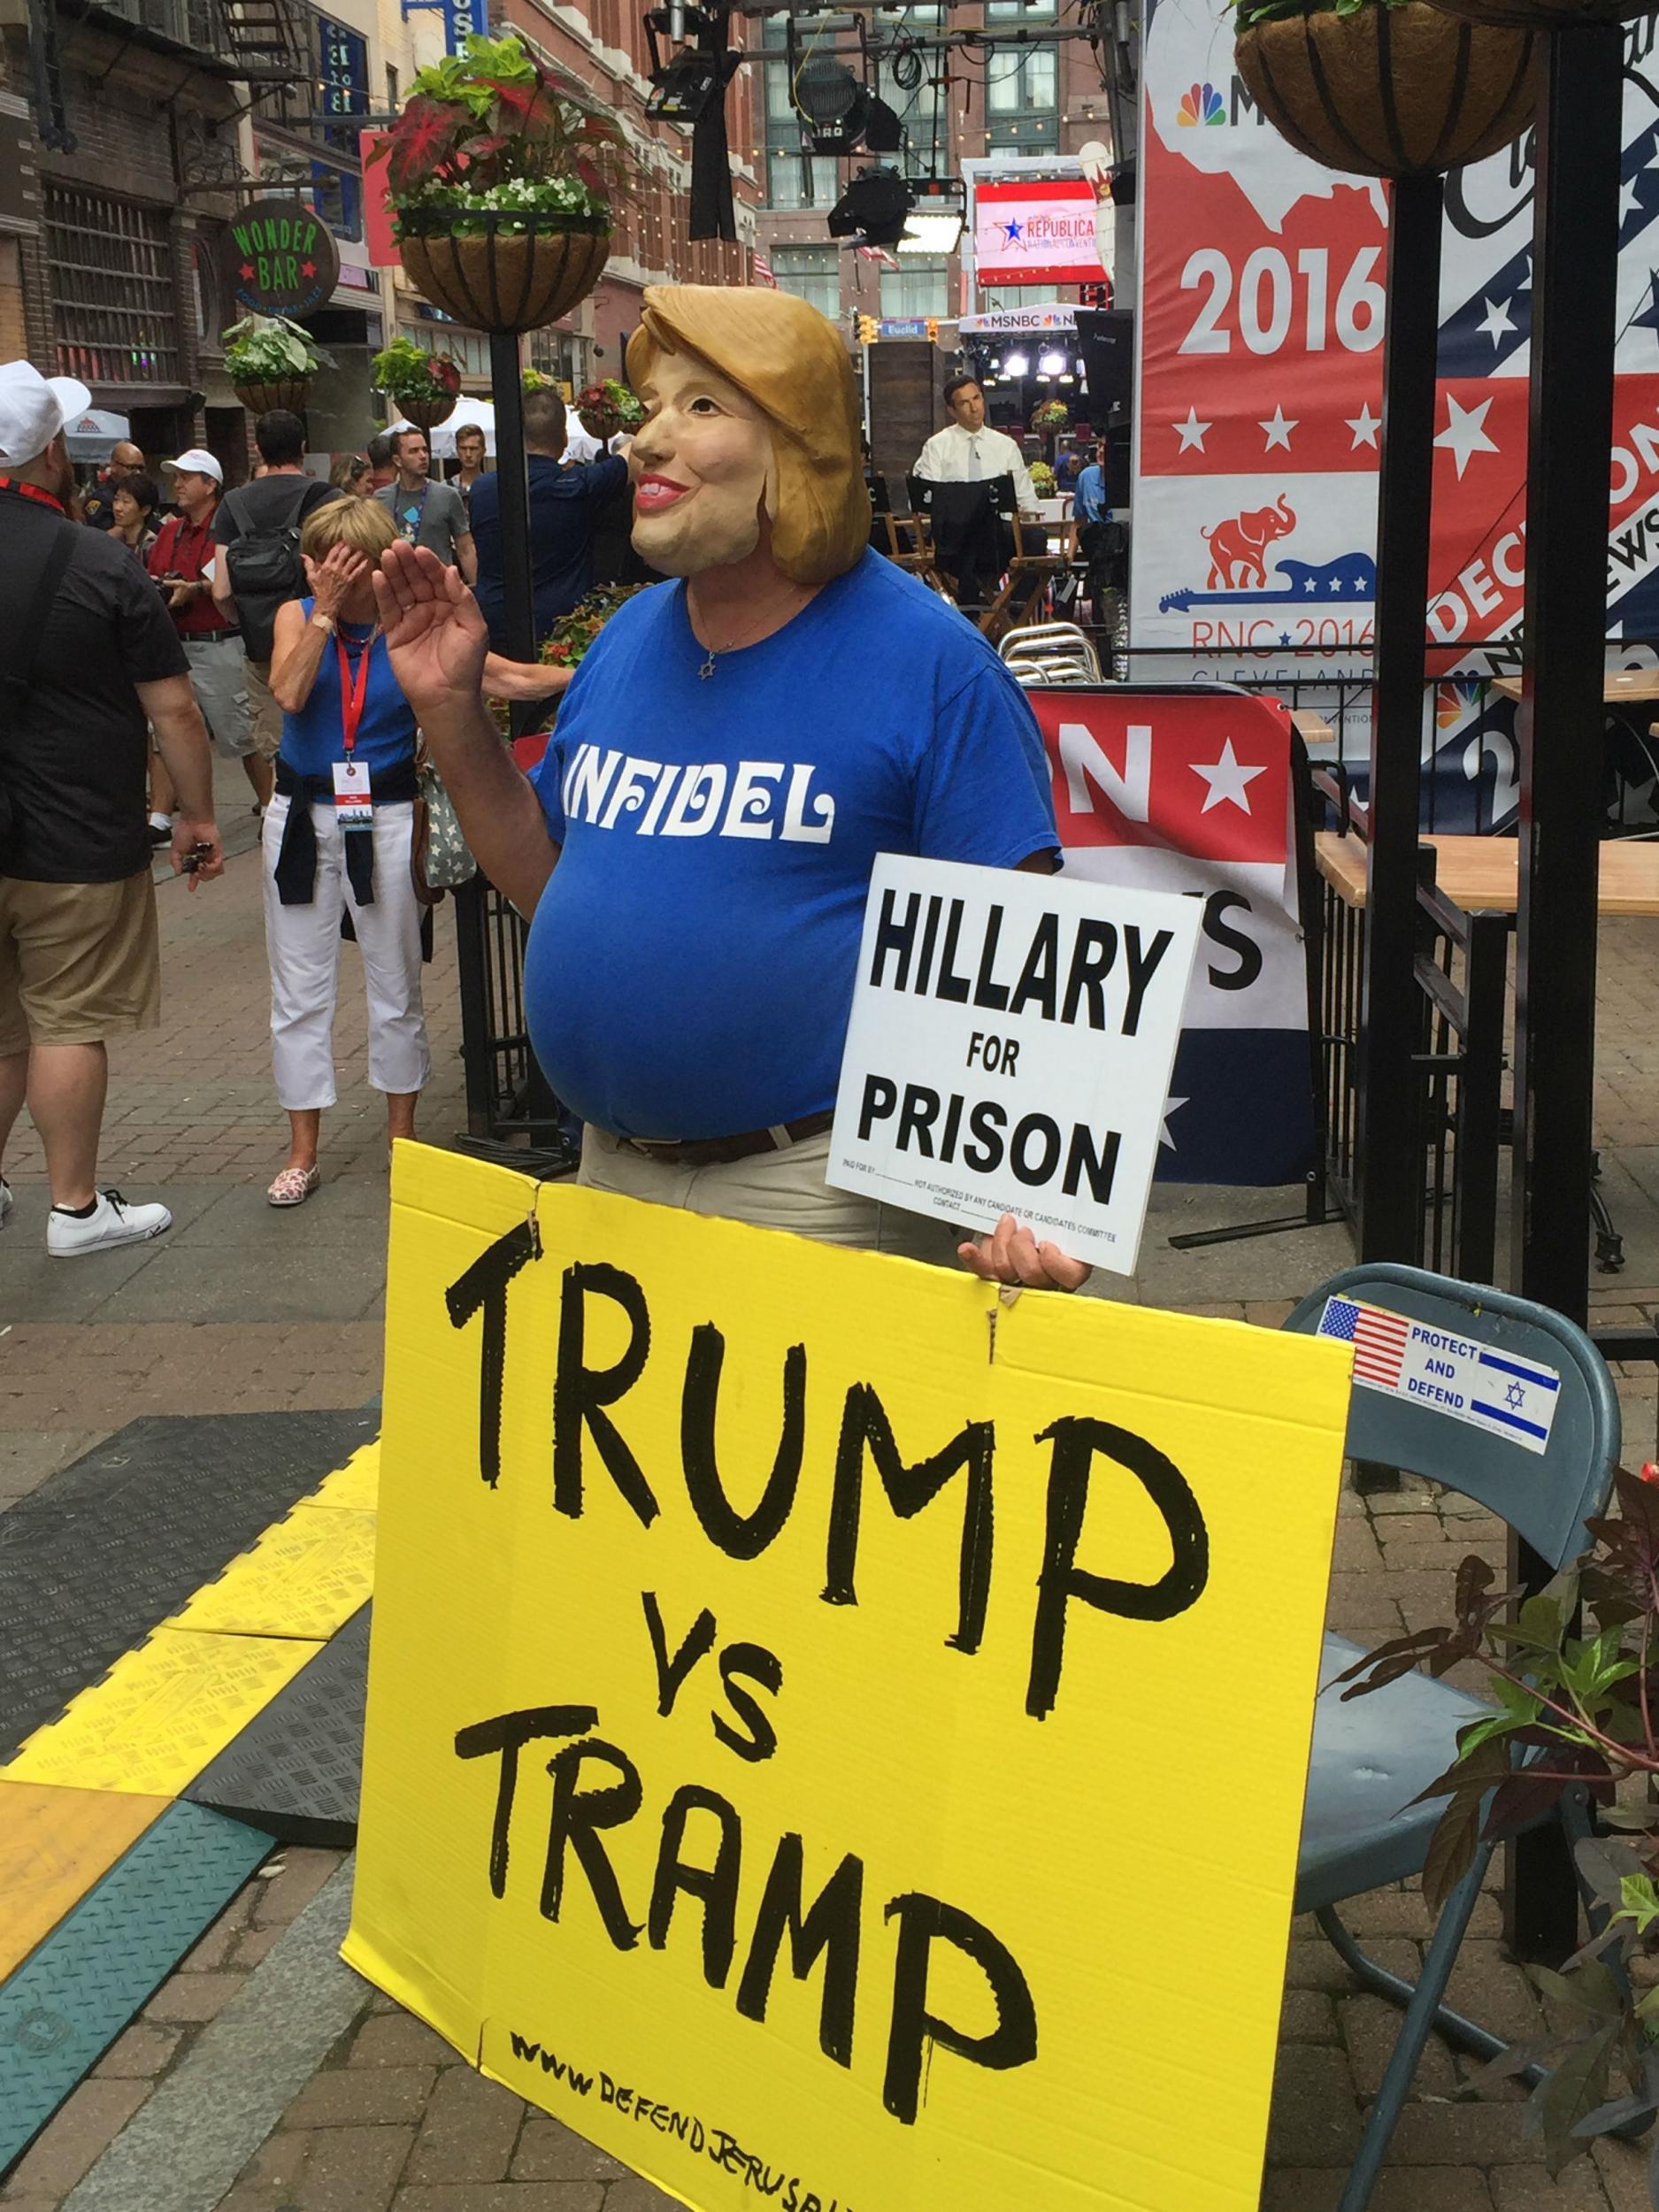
column 607, row 408
column 494, row 132
column 1575, row 1676
column 408, row 374
column 572, row 633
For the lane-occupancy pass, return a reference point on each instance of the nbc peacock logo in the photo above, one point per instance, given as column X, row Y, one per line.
column 1200, row 103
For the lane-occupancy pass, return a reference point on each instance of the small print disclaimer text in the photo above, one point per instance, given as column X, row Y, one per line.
column 703, row 2140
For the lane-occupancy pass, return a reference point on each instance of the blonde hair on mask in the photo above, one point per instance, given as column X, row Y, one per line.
column 788, row 359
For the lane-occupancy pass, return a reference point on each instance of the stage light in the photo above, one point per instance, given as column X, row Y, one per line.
column 1017, row 365
column 873, row 209
column 931, row 234
column 1051, row 363
column 884, row 126
column 682, row 88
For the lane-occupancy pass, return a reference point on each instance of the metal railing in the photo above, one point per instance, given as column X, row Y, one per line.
column 1457, row 1123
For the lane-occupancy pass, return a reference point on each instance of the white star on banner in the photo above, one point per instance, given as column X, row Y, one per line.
column 1629, row 200
column 1228, row 779
column 1192, row 432
column 1171, row 1106
column 1278, row 430
column 1499, row 323
column 1465, row 433
column 1364, row 426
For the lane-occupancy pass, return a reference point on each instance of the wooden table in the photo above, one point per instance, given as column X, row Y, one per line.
column 1481, row 875
column 1624, row 686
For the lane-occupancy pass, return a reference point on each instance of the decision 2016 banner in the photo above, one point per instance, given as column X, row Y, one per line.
column 1259, row 401
column 778, row 1652
column 1190, row 792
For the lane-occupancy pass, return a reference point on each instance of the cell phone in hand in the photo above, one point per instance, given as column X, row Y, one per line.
column 194, row 858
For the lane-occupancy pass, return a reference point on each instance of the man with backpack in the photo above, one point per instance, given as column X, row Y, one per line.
column 258, row 526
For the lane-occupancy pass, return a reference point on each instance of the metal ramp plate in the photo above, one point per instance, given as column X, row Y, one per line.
column 54, row 1845
column 100, row 1555
column 75, row 1992
column 295, row 1768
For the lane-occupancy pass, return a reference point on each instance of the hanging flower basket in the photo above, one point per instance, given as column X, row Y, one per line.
column 505, row 272
column 427, row 414
column 291, row 392
column 1390, row 90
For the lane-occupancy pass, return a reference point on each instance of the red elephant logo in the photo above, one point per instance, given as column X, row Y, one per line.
column 1236, row 546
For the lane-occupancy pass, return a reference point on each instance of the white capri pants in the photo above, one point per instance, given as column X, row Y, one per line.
column 304, row 946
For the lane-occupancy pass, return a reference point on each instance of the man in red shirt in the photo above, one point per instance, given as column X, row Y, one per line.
column 183, row 560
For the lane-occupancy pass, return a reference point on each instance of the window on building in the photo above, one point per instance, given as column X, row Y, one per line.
column 112, row 277
column 391, row 86
column 919, row 285
column 1020, row 84
column 787, row 184
column 813, row 274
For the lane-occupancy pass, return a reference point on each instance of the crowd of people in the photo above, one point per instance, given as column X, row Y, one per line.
column 687, row 994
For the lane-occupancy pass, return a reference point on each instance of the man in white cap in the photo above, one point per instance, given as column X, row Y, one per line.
column 184, row 559
column 88, row 656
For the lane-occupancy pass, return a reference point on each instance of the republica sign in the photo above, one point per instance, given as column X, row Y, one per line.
column 279, row 258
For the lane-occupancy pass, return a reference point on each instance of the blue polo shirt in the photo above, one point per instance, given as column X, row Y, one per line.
column 563, row 505
column 690, row 966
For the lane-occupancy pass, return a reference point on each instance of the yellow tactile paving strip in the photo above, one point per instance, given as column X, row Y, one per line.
column 55, row 1844
column 161, row 1713
column 83, row 1789
column 305, row 1577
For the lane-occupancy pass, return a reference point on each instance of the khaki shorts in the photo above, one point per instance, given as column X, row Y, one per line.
column 79, row 962
column 263, row 709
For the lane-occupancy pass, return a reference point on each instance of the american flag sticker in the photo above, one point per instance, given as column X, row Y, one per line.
column 1460, row 1378
column 1379, row 1338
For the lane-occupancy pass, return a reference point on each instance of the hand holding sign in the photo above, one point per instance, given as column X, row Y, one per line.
column 1010, row 1254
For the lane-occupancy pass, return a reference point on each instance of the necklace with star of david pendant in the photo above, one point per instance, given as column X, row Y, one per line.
column 707, row 670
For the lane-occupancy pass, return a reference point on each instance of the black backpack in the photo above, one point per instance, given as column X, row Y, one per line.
column 265, row 563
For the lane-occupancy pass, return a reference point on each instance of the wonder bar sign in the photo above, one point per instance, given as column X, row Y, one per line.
column 769, row 1733
column 279, row 258
column 1009, row 1050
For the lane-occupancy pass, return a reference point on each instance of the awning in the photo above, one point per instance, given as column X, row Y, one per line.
column 95, row 435
column 441, row 441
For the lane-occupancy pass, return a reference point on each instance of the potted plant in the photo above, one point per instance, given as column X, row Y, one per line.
column 423, row 386
column 1043, row 481
column 270, row 362
column 502, row 175
column 1576, row 1677
column 606, row 408
column 1385, row 87
column 572, row 633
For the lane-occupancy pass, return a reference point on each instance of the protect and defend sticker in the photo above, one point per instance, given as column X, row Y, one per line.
column 1450, row 1374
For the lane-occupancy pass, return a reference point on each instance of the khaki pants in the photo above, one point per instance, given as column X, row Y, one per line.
column 262, row 709
column 770, row 1190
column 79, row 962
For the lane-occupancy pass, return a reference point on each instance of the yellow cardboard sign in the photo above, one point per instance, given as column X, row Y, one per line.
column 794, row 1688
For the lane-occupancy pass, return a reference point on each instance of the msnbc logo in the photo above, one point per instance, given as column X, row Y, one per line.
column 1200, row 104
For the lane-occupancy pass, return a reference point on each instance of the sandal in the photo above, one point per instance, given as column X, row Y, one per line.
column 294, row 1185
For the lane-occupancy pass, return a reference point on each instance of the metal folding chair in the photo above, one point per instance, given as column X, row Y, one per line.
column 1049, row 653
column 1361, row 1829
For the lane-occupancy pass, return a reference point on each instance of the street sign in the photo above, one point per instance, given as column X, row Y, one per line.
column 279, row 258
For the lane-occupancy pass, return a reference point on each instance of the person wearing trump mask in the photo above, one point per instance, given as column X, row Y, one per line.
column 694, row 852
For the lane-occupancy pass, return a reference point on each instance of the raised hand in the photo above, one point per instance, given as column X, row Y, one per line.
column 434, row 633
column 1011, row 1254
column 332, row 578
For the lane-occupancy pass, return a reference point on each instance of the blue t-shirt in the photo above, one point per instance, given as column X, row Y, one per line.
column 314, row 739
column 691, row 963
column 1091, row 493
column 563, row 505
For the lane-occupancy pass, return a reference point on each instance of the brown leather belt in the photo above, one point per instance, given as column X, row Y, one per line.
column 719, row 1151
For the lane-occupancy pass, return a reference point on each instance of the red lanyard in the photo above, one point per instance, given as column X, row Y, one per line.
column 353, row 691
column 31, row 491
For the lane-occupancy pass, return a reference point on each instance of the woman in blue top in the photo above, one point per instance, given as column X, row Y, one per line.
column 340, row 707
column 342, row 710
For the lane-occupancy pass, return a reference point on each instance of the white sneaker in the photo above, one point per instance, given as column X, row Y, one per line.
column 112, row 1221
column 6, row 1201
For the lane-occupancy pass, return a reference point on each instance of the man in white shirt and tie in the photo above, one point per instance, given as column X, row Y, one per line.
column 964, row 451
column 967, row 452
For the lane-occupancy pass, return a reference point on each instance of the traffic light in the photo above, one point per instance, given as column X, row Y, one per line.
column 867, row 331
column 932, row 330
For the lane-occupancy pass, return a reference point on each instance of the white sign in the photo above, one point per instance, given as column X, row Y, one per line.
column 1009, row 1050
column 1450, row 1374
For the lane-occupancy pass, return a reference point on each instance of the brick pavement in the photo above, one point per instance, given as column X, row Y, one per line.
column 392, row 2122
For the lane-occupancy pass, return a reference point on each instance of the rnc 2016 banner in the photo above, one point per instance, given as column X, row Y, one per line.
column 776, row 1652
column 1037, row 233
column 1260, row 397
column 1191, row 794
